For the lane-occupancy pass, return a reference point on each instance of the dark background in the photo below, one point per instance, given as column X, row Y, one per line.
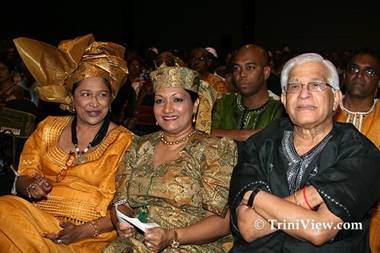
column 300, row 25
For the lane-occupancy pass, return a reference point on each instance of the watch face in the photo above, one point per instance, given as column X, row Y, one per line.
column 175, row 244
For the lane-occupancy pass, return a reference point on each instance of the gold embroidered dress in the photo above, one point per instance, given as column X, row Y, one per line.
column 83, row 195
column 177, row 193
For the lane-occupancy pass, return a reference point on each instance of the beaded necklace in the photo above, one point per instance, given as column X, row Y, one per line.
column 76, row 156
column 184, row 139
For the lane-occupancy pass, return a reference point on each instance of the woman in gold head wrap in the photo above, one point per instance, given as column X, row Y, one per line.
column 67, row 167
column 177, row 178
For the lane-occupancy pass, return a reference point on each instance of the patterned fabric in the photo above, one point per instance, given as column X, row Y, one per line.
column 370, row 127
column 230, row 113
column 185, row 78
column 218, row 84
column 175, row 77
column 343, row 172
column 83, row 195
column 177, row 193
column 298, row 164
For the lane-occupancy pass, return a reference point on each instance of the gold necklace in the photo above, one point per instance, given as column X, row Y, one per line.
column 184, row 139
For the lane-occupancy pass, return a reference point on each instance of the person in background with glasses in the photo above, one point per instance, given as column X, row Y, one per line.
column 361, row 108
column 201, row 62
column 298, row 180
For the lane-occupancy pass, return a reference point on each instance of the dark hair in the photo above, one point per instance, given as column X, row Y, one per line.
column 108, row 84
column 193, row 95
column 8, row 63
column 366, row 51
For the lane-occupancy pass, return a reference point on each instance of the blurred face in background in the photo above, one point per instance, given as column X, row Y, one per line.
column 5, row 73
column 361, row 78
column 250, row 71
column 199, row 60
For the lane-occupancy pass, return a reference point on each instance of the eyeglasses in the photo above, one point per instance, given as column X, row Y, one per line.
column 311, row 86
column 368, row 71
column 202, row 58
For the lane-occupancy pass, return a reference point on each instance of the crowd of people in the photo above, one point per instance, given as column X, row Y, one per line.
column 261, row 152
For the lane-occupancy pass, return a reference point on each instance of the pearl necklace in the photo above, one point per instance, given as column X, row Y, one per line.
column 184, row 139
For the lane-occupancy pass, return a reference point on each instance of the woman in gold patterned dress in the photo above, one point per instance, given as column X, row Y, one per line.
column 68, row 165
column 178, row 177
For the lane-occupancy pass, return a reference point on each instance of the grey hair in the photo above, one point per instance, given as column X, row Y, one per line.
column 332, row 78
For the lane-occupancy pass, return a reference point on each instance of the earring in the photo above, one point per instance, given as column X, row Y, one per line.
column 156, row 123
column 194, row 118
column 110, row 110
column 73, row 109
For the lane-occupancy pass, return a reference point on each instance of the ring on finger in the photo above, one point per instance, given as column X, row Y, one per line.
column 41, row 182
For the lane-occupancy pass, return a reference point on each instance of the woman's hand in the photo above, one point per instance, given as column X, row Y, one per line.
column 36, row 187
column 157, row 239
column 70, row 233
column 123, row 229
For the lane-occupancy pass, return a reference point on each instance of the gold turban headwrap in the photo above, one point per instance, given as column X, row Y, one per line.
column 57, row 69
column 181, row 77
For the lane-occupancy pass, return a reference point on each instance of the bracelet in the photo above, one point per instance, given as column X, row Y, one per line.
column 175, row 242
column 252, row 196
column 304, row 196
column 120, row 202
column 96, row 228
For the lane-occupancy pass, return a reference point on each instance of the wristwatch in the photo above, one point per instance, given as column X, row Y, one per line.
column 252, row 196
column 175, row 242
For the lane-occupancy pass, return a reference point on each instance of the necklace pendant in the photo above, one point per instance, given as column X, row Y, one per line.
column 143, row 214
column 79, row 159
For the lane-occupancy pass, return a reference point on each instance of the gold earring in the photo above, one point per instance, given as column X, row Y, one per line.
column 194, row 118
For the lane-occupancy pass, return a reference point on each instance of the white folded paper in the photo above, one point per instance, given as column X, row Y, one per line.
column 134, row 221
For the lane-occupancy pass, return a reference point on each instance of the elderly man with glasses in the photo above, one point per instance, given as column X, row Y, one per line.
column 305, row 184
column 361, row 108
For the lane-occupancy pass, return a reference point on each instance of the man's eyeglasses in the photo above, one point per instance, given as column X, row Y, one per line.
column 202, row 58
column 311, row 86
column 368, row 71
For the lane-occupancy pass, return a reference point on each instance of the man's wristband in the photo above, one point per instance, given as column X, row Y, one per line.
column 252, row 196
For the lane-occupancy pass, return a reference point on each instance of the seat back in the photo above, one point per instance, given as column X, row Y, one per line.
column 15, row 127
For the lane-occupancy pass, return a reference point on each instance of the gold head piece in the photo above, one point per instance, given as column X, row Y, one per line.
column 56, row 69
column 185, row 78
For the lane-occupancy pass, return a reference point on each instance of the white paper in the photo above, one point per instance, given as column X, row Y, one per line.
column 134, row 221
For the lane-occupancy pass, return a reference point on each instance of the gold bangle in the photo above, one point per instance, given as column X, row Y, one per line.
column 96, row 228
column 175, row 242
